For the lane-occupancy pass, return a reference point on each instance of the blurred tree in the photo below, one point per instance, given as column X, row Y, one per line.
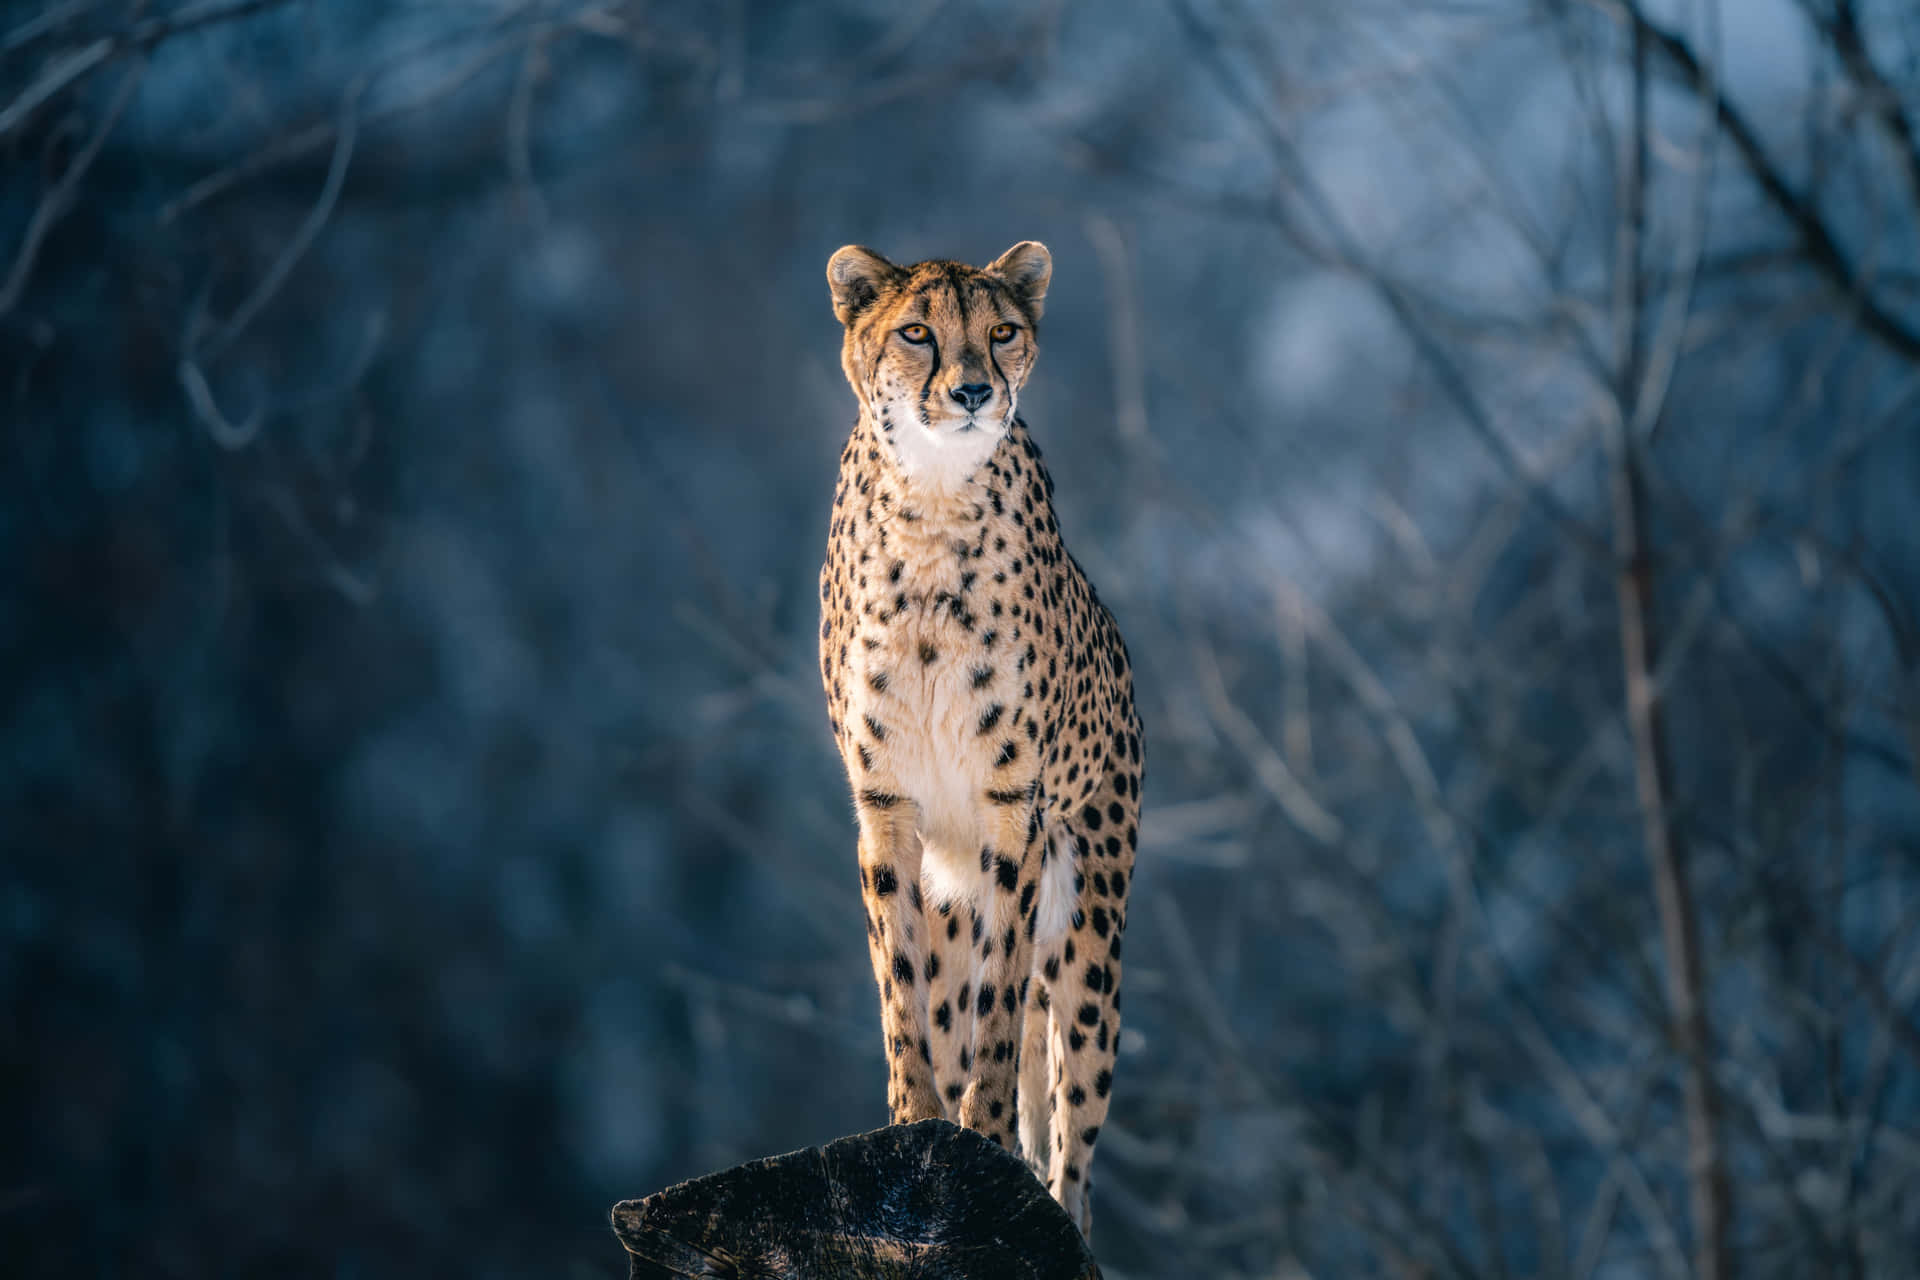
column 1496, row 424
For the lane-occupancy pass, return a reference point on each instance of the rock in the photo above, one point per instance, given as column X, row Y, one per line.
column 930, row 1201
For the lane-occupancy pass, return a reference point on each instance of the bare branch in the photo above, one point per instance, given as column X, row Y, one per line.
column 1634, row 590
column 1295, row 800
column 1817, row 240
column 47, row 20
column 1454, row 383
column 303, row 238
column 1123, row 329
column 55, row 204
column 226, row 433
column 1882, row 98
column 142, row 37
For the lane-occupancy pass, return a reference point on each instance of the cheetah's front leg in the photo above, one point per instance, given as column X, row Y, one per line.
column 896, row 936
column 1003, row 964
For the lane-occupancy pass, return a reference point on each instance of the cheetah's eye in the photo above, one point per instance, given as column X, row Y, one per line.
column 1003, row 332
column 916, row 333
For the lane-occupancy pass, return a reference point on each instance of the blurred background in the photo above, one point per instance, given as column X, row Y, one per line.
column 1494, row 423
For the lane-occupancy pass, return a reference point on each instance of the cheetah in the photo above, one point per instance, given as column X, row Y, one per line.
column 982, row 702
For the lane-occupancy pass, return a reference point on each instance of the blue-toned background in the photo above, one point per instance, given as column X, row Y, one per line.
column 417, row 428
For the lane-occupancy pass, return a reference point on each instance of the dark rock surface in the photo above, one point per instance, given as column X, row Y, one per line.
column 931, row 1201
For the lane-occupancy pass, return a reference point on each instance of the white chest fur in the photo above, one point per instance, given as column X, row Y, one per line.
column 930, row 708
column 943, row 459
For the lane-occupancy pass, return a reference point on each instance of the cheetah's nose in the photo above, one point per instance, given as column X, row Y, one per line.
column 972, row 395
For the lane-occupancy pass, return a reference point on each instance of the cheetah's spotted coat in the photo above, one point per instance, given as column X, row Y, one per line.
column 983, row 704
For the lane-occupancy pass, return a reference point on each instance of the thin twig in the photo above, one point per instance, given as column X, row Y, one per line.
column 1453, row 381
column 142, row 37
column 303, row 238
column 1295, row 800
column 1880, row 95
column 47, row 20
column 1818, row 241
column 1639, row 642
column 55, row 204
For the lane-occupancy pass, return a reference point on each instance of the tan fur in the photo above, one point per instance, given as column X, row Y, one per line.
column 982, row 701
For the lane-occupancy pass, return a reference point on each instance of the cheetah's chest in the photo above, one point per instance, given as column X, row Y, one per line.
column 933, row 667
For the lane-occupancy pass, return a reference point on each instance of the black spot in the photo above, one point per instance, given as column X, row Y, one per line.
column 989, row 718
column 1026, row 898
column 902, row 967
column 878, row 682
column 982, row 676
column 933, row 966
column 1006, row 873
column 884, row 881
column 879, row 799
column 1005, row 797
column 1089, row 1014
column 1076, row 1096
column 1103, row 1083
column 1052, row 968
column 1009, row 751
column 1100, row 923
column 1006, row 942
column 1090, row 1134
column 995, row 1107
column 976, row 927
column 1115, row 812
column 984, row 1005
column 927, row 656
column 874, row 727
column 1096, row 977
column 953, row 1092
column 953, row 927
column 893, row 574
column 1090, row 816
column 1119, row 879
column 1073, row 1172
column 943, row 1017
column 1009, row 997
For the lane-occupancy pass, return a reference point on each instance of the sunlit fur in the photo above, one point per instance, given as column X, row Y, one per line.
column 906, row 389
column 982, row 701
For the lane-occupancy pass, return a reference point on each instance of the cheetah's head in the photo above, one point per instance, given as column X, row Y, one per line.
column 938, row 351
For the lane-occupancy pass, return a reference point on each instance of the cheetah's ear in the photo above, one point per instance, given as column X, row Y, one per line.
column 856, row 275
column 1026, row 267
